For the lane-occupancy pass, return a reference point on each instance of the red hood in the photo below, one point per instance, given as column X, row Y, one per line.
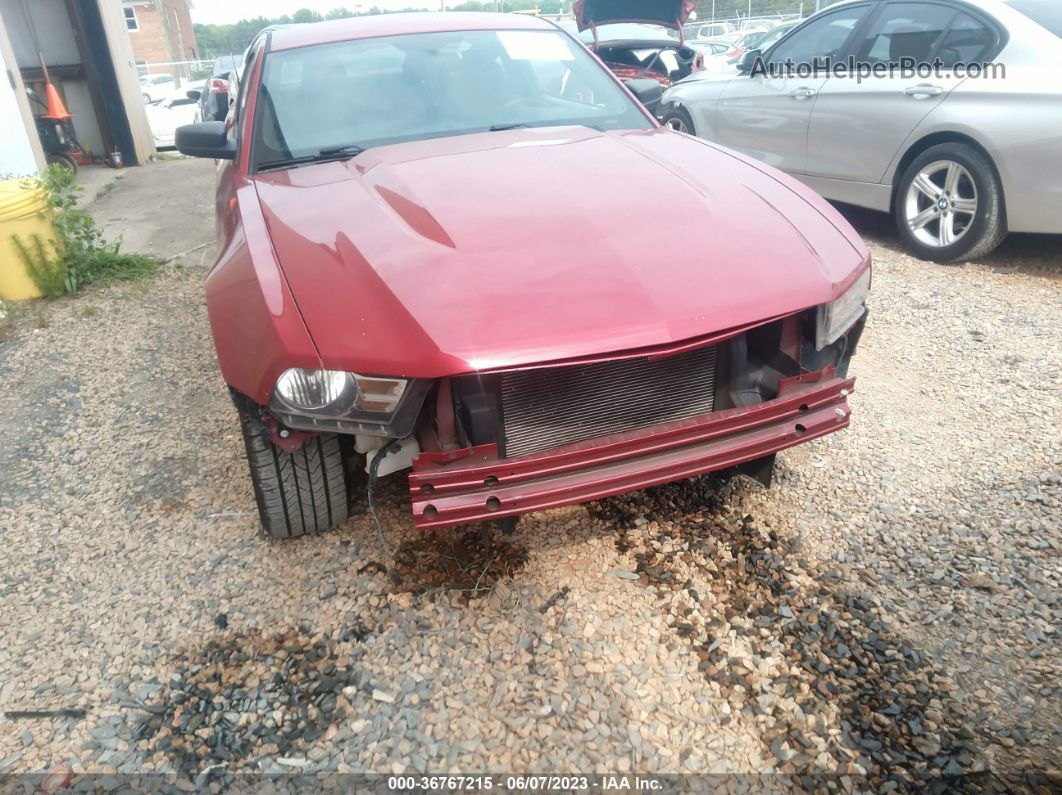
column 500, row 249
column 669, row 13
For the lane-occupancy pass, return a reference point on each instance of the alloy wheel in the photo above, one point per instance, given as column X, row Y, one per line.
column 676, row 124
column 941, row 204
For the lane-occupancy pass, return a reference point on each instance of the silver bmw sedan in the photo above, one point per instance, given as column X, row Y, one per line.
column 947, row 113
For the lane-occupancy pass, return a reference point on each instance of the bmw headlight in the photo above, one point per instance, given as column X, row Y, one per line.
column 347, row 402
column 836, row 317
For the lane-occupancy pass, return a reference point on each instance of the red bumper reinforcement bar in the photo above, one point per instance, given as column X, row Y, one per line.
column 474, row 485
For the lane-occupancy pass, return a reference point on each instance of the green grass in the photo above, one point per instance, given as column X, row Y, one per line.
column 110, row 186
column 80, row 255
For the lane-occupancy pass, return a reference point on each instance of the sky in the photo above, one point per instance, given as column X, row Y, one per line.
column 209, row 12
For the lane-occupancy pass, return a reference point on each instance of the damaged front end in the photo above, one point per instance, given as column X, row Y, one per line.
column 492, row 445
column 507, row 443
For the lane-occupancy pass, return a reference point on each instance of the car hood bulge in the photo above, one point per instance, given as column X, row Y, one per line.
column 503, row 249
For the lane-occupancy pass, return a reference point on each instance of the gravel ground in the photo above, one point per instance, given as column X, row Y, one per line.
column 886, row 614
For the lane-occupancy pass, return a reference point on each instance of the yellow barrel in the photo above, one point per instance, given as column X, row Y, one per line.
column 23, row 211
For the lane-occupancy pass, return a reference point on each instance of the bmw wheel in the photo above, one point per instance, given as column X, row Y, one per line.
column 300, row 492
column 949, row 204
column 679, row 120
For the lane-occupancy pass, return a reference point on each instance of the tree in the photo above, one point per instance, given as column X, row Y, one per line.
column 306, row 15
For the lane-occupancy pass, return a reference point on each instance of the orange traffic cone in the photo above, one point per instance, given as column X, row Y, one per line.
column 56, row 109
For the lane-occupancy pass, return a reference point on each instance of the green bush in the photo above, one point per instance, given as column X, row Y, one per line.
column 80, row 254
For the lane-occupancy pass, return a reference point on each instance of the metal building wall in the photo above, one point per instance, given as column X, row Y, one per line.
column 85, row 44
column 20, row 148
column 127, row 81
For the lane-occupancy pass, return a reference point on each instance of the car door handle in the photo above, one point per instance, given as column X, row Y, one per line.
column 802, row 93
column 923, row 90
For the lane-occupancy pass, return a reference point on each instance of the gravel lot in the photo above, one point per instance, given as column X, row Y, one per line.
column 888, row 612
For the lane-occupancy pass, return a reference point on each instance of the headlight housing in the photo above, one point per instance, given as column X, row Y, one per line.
column 835, row 318
column 334, row 400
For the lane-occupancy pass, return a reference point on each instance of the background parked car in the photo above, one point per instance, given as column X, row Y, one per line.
column 179, row 108
column 214, row 100
column 156, row 87
column 714, row 53
column 760, row 41
column 633, row 51
column 706, row 30
column 958, row 160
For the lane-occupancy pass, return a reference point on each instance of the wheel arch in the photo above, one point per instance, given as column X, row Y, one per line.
column 935, row 139
column 676, row 104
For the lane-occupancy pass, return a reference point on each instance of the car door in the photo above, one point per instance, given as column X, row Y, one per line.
column 767, row 116
column 859, row 123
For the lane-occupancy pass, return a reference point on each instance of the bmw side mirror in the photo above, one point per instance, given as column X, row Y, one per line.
column 207, row 139
column 748, row 60
column 649, row 92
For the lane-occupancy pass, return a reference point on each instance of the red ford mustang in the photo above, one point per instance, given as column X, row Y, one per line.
column 456, row 244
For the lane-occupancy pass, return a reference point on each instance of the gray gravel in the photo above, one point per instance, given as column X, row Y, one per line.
column 887, row 612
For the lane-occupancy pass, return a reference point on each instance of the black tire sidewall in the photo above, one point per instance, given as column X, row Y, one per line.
column 988, row 192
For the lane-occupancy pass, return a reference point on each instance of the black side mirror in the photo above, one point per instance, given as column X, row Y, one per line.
column 648, row 91
column 748, row 60
column 207, row 139
column 193, row 94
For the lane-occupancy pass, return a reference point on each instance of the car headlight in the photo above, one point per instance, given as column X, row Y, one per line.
column 313, row 390
column 347, row 402
column 836, row 317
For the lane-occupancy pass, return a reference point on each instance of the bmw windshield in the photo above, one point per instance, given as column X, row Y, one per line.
column 334, row 100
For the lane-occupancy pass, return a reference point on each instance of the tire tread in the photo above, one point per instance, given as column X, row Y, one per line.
column 301, row 492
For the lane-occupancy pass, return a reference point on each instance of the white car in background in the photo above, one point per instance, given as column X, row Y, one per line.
column 176, row 110
column 707, row 30
column 714, row 52
column 959, row 160
column 156, row 87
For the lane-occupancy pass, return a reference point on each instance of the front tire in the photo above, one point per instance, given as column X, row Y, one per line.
column 679, row 120
column 949, row 204
column 300, row 492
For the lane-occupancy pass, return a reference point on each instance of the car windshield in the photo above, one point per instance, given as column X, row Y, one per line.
column 357, row 94
column 1047, row 13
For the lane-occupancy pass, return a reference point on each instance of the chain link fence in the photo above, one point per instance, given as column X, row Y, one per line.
column 741, row 12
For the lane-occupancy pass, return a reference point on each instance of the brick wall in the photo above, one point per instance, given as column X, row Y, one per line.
column 160, row 39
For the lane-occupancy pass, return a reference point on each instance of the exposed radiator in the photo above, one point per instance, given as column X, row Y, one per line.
column 554, row 406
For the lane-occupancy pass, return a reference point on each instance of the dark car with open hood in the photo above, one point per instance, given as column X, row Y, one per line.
column 456, row 245
column 638, row 38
